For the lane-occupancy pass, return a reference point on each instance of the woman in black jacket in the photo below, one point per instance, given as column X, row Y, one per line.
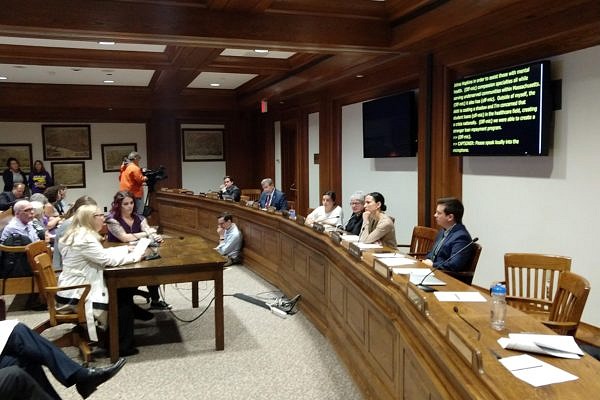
column 13, row 174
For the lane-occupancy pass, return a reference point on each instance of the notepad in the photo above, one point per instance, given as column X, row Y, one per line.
column 397, row 261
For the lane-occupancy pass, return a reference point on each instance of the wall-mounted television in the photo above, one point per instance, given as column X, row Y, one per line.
column 503, row 113
column 390, row 126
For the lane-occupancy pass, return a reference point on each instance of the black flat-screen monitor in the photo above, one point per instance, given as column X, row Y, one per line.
column 502, row 113
column 390, row 126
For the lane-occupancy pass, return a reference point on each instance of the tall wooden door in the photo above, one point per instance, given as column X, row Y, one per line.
column 289, row 158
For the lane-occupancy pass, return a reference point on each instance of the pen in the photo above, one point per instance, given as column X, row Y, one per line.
column 524, row 368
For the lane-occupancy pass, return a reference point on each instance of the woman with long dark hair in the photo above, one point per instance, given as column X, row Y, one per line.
column 39, row 178
column 13, row 174
column 377, row 227
column 126, row 225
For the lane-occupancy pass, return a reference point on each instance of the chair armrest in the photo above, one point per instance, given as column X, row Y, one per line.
column 556, row 324
column 404, row 245
column 86, row 289
column 417, row 255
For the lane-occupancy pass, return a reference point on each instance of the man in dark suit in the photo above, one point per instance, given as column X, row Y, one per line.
column 21, row 346
column 271, row 197
column 229, row 190
column 446, row 252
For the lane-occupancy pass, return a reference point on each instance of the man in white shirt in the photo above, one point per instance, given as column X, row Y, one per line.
column 230, row 239
column 21, row 223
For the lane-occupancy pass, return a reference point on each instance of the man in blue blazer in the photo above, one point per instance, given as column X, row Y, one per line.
column 271, row 197
column 452, row 249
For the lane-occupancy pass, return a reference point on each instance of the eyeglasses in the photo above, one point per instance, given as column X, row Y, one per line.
column 27, row 210
column 355, row 203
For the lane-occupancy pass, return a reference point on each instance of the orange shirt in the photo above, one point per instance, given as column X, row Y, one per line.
column 132, row 180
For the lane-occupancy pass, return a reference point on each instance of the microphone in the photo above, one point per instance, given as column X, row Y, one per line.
column 426, row 288
column 467, row 322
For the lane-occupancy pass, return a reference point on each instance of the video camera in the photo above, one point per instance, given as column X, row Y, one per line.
column 153, row 176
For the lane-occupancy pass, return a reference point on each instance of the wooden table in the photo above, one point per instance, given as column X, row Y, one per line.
column 184, row 258
column 391, row 349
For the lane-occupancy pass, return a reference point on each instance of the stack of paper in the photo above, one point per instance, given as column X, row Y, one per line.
column 553, row 345
column 366, row 246
column 417, row 275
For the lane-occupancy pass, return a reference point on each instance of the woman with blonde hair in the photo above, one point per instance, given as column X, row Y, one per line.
column 83, row 261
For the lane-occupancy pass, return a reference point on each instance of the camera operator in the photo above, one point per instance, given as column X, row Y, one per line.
column 132, row 180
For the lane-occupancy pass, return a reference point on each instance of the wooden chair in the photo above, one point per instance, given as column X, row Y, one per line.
column 531, row 280
column 77, row 336
column 253, row 194
column 32, row 250
column 566, row 310
column 17, row 285
column 421, row 242
column 244, row 199
column 467, row 275
column 291, row 205
column 5, row 217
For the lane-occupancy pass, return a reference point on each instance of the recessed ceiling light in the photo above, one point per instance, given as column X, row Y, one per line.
column 106, row 43
column 360, row 76
column 215, row 84
column 3, row 78
column 261, row 51
column 108, row 81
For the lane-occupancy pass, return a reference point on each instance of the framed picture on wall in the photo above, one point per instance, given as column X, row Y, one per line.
column 113, row 155
column 70, row 174
column 202, row 144
column 20, row 151
column 67, row 142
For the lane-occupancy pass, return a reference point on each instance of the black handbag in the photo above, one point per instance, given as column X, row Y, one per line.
column 15, row 264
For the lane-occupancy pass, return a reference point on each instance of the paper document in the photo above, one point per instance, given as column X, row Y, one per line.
column 365, row 246
column 535, row 372
column 141, row 247
column 417, row 275
column 553, row 345
column 460, row 296
column 350, row 238
column 389, row 255
column 397, row 261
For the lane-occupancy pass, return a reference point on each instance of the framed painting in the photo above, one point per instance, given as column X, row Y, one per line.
column 67, row 142
column 70, row 174
column 202, row 144
column 20, row 151
column 113, row 155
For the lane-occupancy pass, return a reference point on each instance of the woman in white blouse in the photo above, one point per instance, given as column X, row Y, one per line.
column 83, row 261
column 328, row 214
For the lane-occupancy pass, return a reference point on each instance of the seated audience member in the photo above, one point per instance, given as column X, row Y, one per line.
column 328, row 213
column 377, row 226
column 229, row 190
column 230, row 239
column 38, row 219
column 13, row 174
column 357, row 203
column 26, row 350
column 55, row 195
column 126, row 225
column 83, row 261
column 39, row 178
column 68, row 218
column 271, row 197
column 21, row 223
column 9, row 198
column 451, row 239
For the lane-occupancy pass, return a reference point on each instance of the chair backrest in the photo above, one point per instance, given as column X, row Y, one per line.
column 5, row 217
column 467, row 275
column 423, row 238
column 569, row 302
column 253, row 194
column 291, row 205
column 32, row 250
column 531, row 279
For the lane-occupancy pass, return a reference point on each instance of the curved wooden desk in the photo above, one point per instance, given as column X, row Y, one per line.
column 392, row 350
